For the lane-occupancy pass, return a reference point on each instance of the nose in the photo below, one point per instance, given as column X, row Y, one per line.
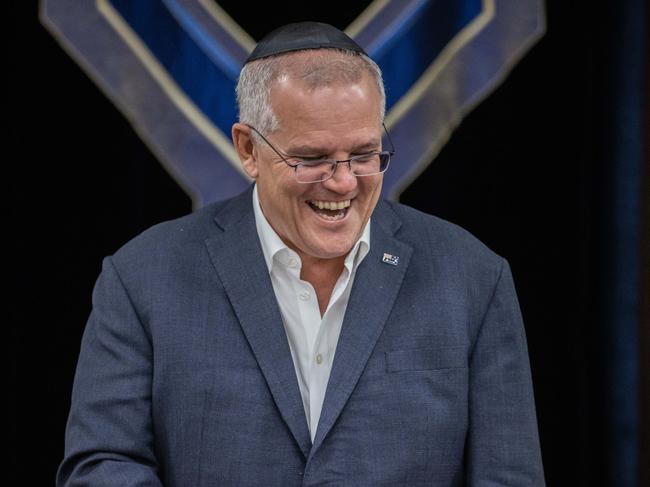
column 342, row 181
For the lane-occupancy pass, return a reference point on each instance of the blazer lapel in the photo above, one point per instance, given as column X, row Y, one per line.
column 237, row 257
column 375, row 288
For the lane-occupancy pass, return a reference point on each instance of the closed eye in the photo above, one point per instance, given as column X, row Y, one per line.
column 370, row 156
column 311, row 162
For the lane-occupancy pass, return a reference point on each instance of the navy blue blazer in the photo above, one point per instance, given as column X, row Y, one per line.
column 185, row 376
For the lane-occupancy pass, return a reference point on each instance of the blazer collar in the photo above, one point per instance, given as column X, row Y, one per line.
column 375, row 289
column 237, row 257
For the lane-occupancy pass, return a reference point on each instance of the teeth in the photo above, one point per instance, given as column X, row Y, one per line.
column 331, row 205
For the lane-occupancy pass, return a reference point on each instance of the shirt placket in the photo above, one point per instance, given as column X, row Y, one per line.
column 322, row 354
column 307, row 305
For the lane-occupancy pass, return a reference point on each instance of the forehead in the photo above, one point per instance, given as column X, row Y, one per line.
column 341, row 106
column 314, row 69
column 319, row 67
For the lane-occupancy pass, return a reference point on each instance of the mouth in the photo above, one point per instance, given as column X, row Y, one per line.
column 330, row 210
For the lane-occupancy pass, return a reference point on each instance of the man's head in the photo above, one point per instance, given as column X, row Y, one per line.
column 315, row 103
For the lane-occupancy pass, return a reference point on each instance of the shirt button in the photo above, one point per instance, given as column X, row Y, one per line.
column 319, row 359
column 304, row 295
column 292, row 263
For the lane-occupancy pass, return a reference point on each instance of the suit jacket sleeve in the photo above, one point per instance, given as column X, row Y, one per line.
column 109, row 439
column 502, row 444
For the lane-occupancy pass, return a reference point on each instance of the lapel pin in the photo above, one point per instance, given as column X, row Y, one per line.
column 390, row 259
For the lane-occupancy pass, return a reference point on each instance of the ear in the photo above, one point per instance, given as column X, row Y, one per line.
column 243, row 142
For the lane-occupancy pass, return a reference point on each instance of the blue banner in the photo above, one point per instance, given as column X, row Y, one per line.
column 171, row 67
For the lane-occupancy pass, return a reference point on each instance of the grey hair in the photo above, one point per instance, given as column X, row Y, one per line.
column 318, row 68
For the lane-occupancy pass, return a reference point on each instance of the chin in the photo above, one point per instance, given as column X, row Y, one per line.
column 334, row 252
column 330, row 244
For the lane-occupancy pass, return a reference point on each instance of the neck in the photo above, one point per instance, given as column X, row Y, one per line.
column 322, row 274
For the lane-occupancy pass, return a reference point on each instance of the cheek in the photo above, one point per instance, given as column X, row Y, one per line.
column 289, row 202
column 371, row 191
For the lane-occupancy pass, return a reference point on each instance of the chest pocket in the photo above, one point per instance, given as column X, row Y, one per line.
column 426, row 359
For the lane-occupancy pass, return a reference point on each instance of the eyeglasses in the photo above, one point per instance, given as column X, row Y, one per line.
column 318, row 170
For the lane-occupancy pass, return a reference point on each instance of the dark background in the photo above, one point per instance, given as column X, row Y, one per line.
column 522, row 173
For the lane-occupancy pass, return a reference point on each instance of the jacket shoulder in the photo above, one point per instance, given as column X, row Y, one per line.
column 196, row 225
column 171, row 238
column 436, row 236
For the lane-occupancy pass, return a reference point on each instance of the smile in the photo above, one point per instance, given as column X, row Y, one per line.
column 330, row 210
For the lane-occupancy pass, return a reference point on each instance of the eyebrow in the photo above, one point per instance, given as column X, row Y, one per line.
column 301, row 150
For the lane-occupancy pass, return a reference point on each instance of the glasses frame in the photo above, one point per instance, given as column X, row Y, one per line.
column 335, row 163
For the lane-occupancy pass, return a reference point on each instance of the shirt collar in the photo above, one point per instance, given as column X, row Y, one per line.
column 272, row 243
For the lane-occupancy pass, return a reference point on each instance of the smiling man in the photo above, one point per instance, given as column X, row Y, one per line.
column 320, row 179
column 305, row 333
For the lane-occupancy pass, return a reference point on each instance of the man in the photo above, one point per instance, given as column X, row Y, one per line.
column 304, row 333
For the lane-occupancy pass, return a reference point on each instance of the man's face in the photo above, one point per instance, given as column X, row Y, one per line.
column 332, row 122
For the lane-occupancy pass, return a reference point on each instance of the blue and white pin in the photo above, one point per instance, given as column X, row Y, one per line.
column 390, row 259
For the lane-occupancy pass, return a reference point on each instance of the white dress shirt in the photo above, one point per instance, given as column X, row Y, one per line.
column 312, row 339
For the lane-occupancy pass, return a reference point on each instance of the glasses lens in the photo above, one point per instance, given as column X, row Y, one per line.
column 313, row 173
column 370, row 164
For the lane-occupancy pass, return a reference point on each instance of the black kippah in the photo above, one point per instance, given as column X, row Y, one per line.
column 302, row 35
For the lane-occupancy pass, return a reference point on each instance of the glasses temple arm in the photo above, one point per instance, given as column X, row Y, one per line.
column 392, row 151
